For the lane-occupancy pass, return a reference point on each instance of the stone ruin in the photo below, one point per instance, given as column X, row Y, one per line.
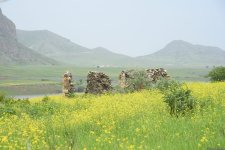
column 123, row 76
column 153, row 75
column 156, row 74
column 68, row 86
column 98, row 83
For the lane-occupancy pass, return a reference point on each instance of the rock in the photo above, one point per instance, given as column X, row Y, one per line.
column 98, row 83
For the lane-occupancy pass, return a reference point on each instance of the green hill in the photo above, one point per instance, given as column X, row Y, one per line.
column 175, row 54
column 22, row 55
column 63, row 50
column 181, row 53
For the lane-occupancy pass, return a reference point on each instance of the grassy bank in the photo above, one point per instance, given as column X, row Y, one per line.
column 117, row 121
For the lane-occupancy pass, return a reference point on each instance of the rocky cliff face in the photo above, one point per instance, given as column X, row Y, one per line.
column 8, row 40
column 7, row 27
column 12, row 52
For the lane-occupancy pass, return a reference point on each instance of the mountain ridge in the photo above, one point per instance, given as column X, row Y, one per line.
column 175, row 53
column 179, row 52
column 63, row 50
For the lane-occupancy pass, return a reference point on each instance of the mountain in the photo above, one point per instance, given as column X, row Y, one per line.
column 63, row 50
column 11, row 51
column 177, row 53
column 181, row 53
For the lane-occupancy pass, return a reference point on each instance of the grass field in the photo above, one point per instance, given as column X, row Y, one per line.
column 137, row 120
column 22, row 80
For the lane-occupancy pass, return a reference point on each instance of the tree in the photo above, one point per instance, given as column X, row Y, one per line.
column 217, row 74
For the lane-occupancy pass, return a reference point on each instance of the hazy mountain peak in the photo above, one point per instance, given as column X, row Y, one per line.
column 99, row 47
column 178, row 44
column 179, row 41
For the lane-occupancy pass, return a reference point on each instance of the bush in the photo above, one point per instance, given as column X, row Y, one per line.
column 165, row 84
column 177, row 96
column 138, row 82
column 217, row 74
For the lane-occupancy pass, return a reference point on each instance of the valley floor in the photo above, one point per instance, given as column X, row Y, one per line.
column 35, row 80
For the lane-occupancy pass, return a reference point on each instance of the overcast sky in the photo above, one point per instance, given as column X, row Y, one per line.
column 131, row 27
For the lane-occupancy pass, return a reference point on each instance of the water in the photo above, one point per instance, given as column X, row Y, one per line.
column 32, row 96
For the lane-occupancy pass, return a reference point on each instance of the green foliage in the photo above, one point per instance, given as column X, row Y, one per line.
column 45, row 99
column 165, row 84
column 177, row 96
column 8, row 105
column 217, row 74
column 44, row 108
column 71, row 95
column 138, row 81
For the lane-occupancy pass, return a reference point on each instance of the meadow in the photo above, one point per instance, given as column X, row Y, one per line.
column 34, row 80
column 139, row 120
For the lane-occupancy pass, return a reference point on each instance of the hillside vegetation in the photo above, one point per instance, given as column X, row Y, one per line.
column 139, row 120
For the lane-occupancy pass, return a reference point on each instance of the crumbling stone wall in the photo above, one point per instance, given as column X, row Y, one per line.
column 68, row 86
column 98, row 83
column 153, row 76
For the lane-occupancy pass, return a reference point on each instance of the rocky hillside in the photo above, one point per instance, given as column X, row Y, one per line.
column 11, row 51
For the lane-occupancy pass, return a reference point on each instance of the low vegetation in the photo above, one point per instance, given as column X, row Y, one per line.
column 138, row 120
column 217, row 74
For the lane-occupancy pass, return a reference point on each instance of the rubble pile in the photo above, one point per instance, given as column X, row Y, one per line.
column 68, row 86
column 98, row 83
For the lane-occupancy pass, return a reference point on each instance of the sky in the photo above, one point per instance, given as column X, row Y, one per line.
column 131, row 27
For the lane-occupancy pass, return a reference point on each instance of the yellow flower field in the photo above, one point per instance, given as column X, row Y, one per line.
column 139, row 120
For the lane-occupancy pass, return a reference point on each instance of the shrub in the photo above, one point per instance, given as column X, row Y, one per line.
column 165, row 84
column 177, row 96
column 138, row 82
column 217, row 74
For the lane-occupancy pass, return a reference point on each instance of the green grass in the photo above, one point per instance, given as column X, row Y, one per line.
column 12, row 77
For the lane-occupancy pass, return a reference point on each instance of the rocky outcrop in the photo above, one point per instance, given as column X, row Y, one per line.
column 11, row 51
column 7, row 27
column 8, row 38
